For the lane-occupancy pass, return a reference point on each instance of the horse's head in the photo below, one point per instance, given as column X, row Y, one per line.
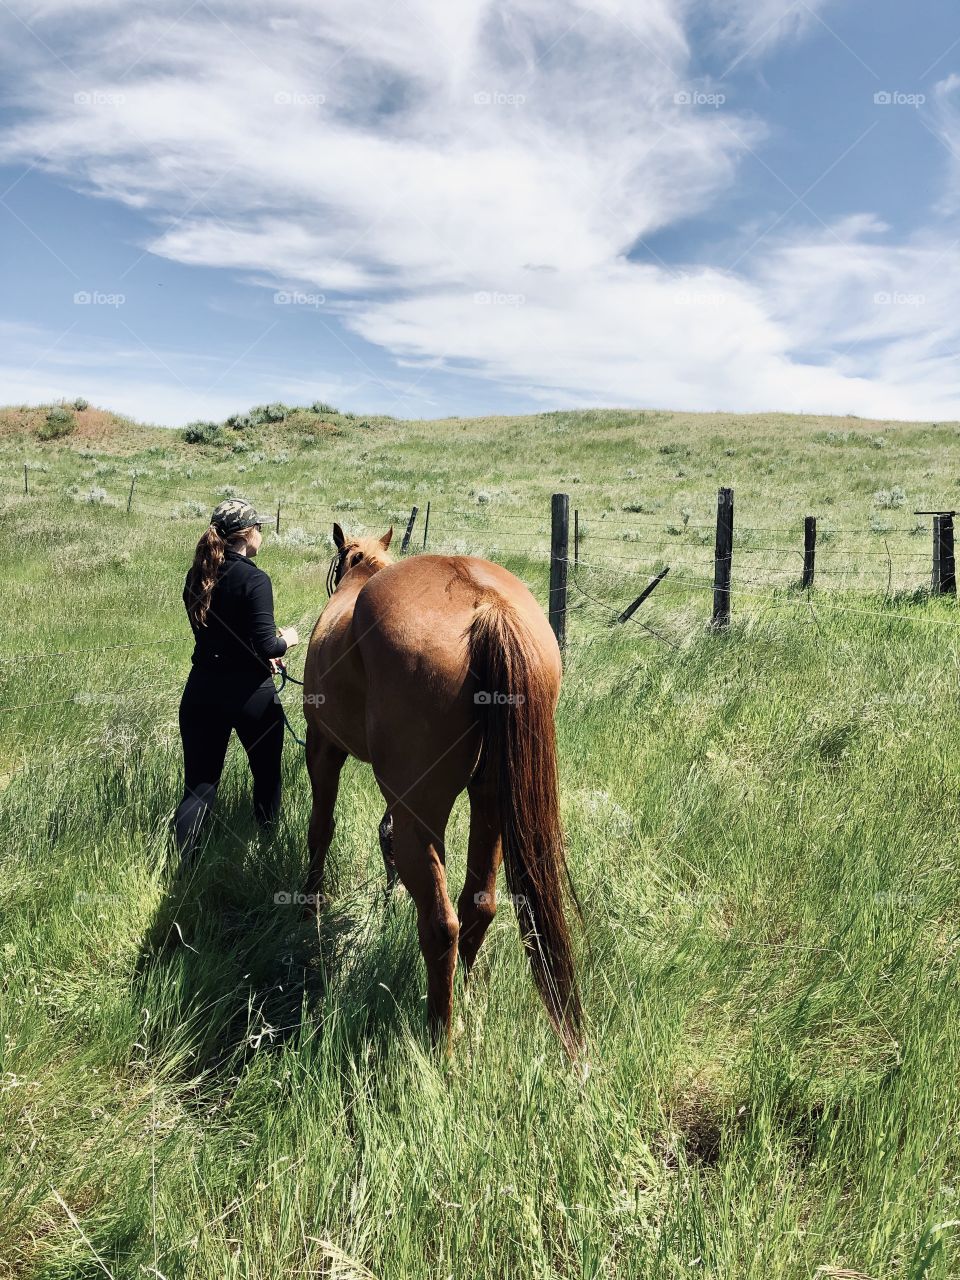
column 352, row 552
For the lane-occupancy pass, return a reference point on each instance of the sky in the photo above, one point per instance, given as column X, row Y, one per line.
column 495, row 206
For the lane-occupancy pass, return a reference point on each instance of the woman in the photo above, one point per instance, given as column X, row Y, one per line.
column 229, row 602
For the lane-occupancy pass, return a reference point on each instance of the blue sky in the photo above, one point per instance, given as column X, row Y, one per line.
column 425, row 209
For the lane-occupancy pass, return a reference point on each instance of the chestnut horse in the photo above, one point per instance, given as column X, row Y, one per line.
column 443, row 673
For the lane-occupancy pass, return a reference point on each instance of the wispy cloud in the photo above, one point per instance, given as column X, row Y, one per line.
column 465, row 185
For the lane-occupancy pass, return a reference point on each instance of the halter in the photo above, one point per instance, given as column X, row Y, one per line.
column 335, row 572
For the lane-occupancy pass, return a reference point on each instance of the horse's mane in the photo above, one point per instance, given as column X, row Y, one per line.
column 374, row 553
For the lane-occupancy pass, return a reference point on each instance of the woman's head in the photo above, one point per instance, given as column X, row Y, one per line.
column 237, row 516
column 234, row 525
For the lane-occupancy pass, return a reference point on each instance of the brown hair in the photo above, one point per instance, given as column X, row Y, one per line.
column 519, row 750
column 207, row 563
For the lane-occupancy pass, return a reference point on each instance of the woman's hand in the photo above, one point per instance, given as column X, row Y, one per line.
column 290, row 635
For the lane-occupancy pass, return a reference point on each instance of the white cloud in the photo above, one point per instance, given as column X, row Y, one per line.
column 749, row 27
column 404, row 159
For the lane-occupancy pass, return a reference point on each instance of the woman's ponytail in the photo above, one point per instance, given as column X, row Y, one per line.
column 207, row 561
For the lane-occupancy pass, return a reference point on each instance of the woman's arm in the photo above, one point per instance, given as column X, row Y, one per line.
column 263, row 629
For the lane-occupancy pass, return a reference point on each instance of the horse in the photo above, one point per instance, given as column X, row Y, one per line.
column 443, row 673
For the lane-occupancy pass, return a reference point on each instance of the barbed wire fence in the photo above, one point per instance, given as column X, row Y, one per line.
column 609, row 590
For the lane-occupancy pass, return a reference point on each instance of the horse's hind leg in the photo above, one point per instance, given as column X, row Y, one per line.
column 385, row 832
column 324, row 762
column 419, row 854
column 478, row 901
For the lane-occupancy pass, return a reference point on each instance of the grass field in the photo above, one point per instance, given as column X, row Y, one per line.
column 762, row 829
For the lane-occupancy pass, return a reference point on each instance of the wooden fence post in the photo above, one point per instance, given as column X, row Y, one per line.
column 426, row 525
column 944, row 577
column 654, row 582
column 133, row 481
column 26, row 483
column 809, row 550
column 278, row 515
column 723, row 558
column 406, row 537
column 576, row 536
column 559, row 552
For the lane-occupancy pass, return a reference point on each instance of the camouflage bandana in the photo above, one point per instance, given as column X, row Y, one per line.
column 233, row 515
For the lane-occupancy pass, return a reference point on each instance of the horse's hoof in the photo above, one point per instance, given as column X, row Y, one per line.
column 311, row 905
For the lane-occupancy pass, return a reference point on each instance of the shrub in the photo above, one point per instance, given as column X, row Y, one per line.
column 296, row 537
column 189, row 510
column 201, row 432
column 59, row 422
column 262, row 413
column 80, row 404
column 890, row 499
column 321, row 406
column 229, row 491
column 240, row 421
column 95, row 495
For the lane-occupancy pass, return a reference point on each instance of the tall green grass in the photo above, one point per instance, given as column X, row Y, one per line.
column 762, row 829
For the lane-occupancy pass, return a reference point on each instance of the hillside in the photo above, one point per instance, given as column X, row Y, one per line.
column 761, row 825
column 644, row 482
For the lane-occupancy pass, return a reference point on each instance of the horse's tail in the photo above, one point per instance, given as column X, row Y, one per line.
column 518, row 755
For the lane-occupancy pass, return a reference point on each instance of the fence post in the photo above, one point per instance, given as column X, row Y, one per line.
column 944, row 578
column 654, row 582
column 559, row 552
column 576, row 537
column 26, row 483
column 809, row 550
column 133, row 481
column 723, row 558
column 426, row 525
column 406, row 537
column 278, row 515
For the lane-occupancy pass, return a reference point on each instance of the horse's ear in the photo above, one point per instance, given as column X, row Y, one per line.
column 338, row 538
column 385, row 540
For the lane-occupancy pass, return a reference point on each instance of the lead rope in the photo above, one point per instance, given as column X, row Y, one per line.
column 286, row 677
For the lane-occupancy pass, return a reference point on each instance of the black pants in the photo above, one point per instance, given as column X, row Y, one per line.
column 213, row 704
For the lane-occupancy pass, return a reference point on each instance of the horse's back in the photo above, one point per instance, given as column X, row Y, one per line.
column 419, row 611
column 412, row 625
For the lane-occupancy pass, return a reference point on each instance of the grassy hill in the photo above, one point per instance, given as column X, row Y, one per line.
column 761, row 822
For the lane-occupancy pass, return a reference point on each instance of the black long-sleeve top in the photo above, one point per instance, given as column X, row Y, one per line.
column 240, row 635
